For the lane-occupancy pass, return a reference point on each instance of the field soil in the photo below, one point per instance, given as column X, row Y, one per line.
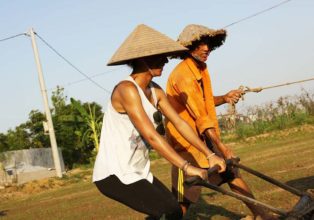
column 287, row 156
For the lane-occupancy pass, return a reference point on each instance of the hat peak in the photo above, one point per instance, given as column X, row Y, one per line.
column 142, row 42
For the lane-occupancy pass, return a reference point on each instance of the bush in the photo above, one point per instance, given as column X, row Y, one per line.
column 286, row 112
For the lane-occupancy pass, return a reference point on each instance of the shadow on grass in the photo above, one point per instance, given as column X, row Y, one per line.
column 202, row 210
column 3, row 213
column 302, row 183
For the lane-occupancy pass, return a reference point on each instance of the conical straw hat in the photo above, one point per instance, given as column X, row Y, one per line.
column 142, row 42
column 194, row 32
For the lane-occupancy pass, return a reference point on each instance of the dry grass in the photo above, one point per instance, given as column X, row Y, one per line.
column 286, row 156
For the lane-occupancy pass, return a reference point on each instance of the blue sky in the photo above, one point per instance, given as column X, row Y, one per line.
column 272, row 48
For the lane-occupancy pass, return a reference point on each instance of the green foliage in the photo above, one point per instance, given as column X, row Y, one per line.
column 3, row 143
column 287, row 112
column 19, row 138
column 73, row 132
column 36, row 131
column 289, row 160
column 71, row 128
column 93, row 121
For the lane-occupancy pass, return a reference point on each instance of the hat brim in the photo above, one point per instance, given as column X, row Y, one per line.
column 216, row 38
column 165, row 54
column 143, row 42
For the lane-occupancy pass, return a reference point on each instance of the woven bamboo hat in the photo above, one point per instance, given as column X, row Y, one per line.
column 194, row 32
column 143, row 42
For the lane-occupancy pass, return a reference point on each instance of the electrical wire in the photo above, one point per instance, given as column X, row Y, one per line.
column 236, row 22
column 257, row 13
column 14, row 36
column 72, row 65
column 94, row 76
column 84, row 79
column 90, row 77
column 243, row 19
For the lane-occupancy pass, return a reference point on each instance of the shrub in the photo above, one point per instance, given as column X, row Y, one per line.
column 286, row 112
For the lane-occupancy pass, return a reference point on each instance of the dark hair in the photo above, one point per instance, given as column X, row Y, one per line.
column 131, row 64
column 192, row 47
column 134, row 63
column 212, row 42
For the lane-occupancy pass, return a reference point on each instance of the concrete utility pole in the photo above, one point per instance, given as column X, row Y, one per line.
column 53, row 142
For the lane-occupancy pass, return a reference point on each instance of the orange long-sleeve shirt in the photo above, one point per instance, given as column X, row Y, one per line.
column 190, row 93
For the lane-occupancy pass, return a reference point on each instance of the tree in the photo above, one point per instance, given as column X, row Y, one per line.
column 77, row 126
column 3, row 143
column 93, row 121
column 34, row 126
column 18, row 139
column 68, row 128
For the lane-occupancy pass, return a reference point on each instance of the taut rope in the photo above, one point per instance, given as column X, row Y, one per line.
column 246, row 89
column 259, row 89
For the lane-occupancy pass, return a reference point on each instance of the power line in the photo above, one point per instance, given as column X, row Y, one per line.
column 67, row 61
column 93, row 76
column 258, row 13
column 84, row 79
column 71, row 83
column 14, row 36
column 243, row 19
column 90, row 77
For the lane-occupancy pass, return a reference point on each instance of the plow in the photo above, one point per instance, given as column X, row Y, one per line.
column 302, row 210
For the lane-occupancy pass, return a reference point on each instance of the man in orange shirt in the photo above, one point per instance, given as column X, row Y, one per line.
column 190, row 93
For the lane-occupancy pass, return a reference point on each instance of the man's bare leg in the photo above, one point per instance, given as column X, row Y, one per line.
column 185, row 207
column 239, row 186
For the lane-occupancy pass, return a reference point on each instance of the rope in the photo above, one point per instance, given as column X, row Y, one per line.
column 285, row 84
column 232, row 107
column 246, row 89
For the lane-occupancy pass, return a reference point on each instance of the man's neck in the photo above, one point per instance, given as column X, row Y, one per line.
column 199, row 64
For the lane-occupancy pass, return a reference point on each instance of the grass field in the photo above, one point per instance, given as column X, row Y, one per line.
column 287, row 156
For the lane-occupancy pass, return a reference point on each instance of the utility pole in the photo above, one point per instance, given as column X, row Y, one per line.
column 53, row 142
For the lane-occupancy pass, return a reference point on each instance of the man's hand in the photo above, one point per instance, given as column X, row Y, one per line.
column 233, row 96
column 227, row 153
column 215, row 160
column 195, row 171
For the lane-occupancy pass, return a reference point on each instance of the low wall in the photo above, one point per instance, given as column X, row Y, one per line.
column 18, row 166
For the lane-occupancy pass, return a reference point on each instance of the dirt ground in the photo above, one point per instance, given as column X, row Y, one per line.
column 284, row 155
column 31, row 187
column 44, row 184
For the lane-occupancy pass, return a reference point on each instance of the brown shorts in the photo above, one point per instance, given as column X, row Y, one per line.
column 186, row 194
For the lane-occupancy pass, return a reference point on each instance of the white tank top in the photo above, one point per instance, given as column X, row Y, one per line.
column 122, row 150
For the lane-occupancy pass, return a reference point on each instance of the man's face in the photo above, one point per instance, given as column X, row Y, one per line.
column 201, row 52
